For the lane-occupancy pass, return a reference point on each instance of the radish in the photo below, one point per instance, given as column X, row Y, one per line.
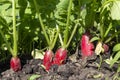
column 60, row 56
column 86, row 46
column 15, row 64
column 105, row 47
column 47, row 60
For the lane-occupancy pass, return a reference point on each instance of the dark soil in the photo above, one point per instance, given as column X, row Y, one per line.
column 74, row 69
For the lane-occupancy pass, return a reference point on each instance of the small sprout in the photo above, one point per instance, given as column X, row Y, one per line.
column 109, row 60
column 100, row 75
column 34, row 76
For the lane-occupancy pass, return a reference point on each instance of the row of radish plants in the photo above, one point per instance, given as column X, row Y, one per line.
column 45, row 27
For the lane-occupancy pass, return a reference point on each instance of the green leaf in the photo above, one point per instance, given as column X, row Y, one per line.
column 94, row 39
column 5, row 12
column 117, row 56
column 108, row 29
column 83, row 13
column 108, row 60
column 5, row 1
column 115, row 10
column 111, row 37
column 118, row 70
column 33, row 77
column 116, row 47
column 3, row 21
column 63, row 4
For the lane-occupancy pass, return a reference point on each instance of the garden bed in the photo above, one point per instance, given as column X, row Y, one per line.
column 74, row 69
column 50, row 30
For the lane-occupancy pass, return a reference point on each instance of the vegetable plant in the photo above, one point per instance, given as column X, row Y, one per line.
column 51, row 40
column 88, row 12
column 15, row 63
column 114, row 59
column 106, row 25
column 61, row 53
column 116, row 50
column 107, row 30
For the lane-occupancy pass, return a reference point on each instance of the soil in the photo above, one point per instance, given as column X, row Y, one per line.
column 75, row 68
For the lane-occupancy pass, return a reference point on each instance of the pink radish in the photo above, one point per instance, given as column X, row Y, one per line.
column 60, row 56
column 47, row 60
column 15, row 64
column 86, row 46
column 105, row 47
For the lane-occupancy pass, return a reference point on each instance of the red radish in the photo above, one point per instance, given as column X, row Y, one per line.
column 47, row 60
column 15, row 64
column 105, row 47
column 60, row 56
column 86, row 46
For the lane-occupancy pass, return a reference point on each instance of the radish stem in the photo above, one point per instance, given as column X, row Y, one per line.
column 54, row 40
column 60, row 36
column 67, row 24
column 73, row 32
column 14, row 30
column 41, row 22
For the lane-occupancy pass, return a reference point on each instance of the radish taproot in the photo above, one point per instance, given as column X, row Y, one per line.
column 15, row 64
column 86, row 46
column 60, row 56
column 47, row 60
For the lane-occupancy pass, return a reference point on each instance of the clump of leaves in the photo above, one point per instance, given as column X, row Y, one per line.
column 51, row 38
column 116, row 50
column 114, row 59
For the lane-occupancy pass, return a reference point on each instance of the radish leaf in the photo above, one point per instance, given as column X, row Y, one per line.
column 117, row 56
column 115, row 10
column 33, row 77
column 116, row 47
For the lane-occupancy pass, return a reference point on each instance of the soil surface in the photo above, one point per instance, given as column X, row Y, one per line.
column 75, row 68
